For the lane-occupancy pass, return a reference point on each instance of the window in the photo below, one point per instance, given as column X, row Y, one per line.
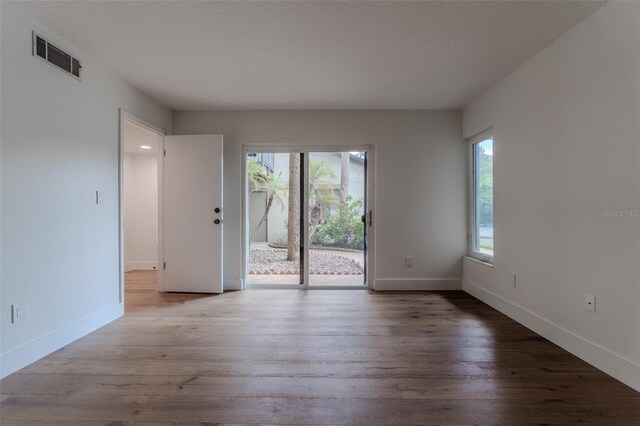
column 481, row 237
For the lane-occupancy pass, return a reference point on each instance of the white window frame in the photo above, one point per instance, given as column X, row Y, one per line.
column 477, row 138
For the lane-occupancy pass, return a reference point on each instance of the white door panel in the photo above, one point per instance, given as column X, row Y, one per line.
column 192, row 192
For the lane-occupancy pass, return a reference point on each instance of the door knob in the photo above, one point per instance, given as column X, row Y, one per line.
column 217, row 210
column 217, row 221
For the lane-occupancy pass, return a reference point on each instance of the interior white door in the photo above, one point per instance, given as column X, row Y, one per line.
column 192, row 210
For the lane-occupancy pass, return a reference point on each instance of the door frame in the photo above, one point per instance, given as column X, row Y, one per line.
column 371, row 203
column 122, row 117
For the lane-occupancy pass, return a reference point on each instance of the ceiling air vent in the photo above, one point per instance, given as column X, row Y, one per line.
column 56, row 56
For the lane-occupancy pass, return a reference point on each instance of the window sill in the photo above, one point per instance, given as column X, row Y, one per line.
column 484, row 262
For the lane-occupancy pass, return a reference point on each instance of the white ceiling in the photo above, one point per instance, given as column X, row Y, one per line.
column 311, row 55
column 134, row 136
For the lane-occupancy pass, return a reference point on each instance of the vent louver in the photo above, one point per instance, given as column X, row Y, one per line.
column 56, row 56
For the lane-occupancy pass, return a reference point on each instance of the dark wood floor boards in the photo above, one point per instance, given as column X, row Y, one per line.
column 317, row 357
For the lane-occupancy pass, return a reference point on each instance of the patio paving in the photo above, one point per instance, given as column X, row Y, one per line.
column 321, row 262
column 269, row 266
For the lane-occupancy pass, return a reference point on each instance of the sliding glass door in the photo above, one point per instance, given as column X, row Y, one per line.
column 307, row 219
column 337, row 206
column 274, row 213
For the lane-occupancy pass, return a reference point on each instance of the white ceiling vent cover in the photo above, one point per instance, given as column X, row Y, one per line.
column 56, row 56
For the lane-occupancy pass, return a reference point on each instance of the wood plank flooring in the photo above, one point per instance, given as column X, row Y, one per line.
column 317, row 357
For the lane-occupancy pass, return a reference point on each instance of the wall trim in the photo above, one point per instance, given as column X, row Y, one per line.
column 31, row 352
column 619, row 367
column 230, row 284
column 140, row 266
column 407, row 284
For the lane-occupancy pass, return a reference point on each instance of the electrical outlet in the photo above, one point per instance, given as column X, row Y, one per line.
column 408, row 261
column 590, row 303
column 514, row 280
column 17, row 312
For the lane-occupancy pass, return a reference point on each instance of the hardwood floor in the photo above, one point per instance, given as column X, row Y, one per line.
column 317, row 357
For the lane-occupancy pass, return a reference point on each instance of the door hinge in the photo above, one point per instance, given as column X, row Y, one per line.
column 370, row 218
column 164, row 151
column 164, row 265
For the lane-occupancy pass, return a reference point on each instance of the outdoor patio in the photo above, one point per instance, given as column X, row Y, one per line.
column 269, row 265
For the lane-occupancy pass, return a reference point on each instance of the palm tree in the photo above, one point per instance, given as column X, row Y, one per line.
column 345, row 160
column 293, row 220
column 262, row 180
column 319, row 173
column 257, row 173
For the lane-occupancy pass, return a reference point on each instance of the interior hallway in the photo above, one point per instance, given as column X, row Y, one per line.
column 315, row 357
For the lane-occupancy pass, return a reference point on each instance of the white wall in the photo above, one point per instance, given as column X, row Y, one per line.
column 140, row 211
column 59, row 142
column 566, row 128
column 421, row 184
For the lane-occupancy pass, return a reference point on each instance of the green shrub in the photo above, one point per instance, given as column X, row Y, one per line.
column 345, row 229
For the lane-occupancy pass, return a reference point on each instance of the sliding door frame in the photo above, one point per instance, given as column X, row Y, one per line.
column 304, row 208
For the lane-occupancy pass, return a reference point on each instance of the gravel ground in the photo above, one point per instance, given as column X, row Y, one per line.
column 274, row 261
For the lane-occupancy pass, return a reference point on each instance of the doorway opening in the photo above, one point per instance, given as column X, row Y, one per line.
column 307, row 218
column 141, row 148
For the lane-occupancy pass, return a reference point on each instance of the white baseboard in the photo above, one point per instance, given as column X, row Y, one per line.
column 140, row 266
column 406, row 284
column 603, row 359
column 21, row 357
column 232, row 284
